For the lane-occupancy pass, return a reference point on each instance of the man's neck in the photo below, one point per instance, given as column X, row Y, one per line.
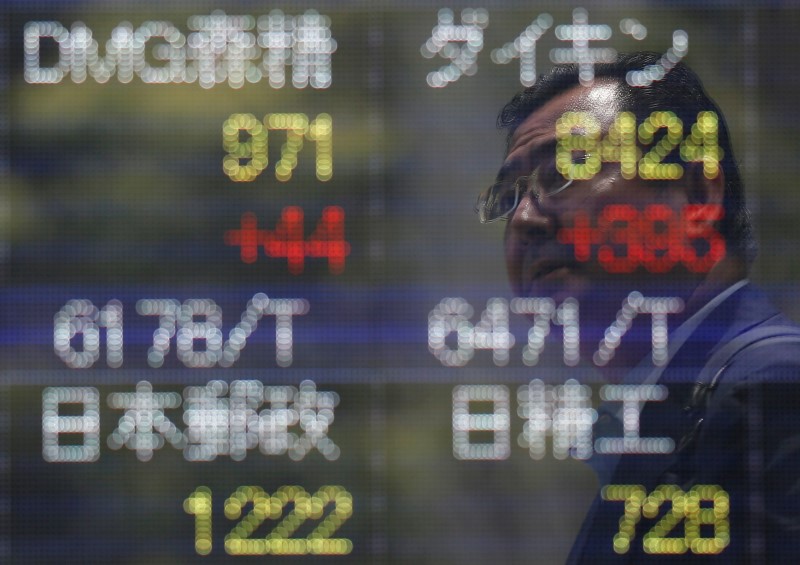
column 630, row 353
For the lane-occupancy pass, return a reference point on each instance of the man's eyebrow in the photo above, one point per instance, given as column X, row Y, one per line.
column 541, row 151
column 534, row 157
column 507, row 168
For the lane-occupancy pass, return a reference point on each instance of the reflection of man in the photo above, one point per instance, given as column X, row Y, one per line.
column 588, row 218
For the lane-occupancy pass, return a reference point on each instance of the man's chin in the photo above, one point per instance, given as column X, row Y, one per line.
column 558, row 285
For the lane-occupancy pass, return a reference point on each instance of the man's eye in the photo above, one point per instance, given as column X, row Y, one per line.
column 501, row 198
column 549, row 179
column 507, row 197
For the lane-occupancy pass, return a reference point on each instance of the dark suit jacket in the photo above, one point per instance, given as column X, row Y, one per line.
column 744, row 436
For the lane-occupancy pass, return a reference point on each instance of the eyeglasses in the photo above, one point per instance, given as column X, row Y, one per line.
column 501, row 199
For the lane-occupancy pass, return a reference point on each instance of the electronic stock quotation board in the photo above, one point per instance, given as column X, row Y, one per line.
column 246, row 308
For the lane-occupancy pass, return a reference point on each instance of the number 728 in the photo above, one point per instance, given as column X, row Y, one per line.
column 686, row 507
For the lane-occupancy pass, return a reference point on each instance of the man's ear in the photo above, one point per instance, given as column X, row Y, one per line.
column 706, row 198
column 702, row 189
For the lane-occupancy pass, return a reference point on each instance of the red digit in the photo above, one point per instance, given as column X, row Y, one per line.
column 287, row 239
column 620, row 225
column 697, row 221
column 328, row 240
column 662, row 244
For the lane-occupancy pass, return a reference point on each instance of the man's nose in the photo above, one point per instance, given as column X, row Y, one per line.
column 531, row 221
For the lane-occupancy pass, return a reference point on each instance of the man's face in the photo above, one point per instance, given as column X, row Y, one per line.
column 540, row 256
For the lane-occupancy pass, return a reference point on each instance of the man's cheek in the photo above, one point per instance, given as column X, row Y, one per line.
column 514, row 260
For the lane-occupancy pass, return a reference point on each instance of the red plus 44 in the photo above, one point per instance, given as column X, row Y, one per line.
column 288, row 239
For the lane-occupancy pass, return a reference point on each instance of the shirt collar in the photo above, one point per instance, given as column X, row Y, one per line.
column 679, row 336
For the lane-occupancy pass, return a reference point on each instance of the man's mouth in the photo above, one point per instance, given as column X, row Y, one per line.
column 555, row 278
column 550, row 269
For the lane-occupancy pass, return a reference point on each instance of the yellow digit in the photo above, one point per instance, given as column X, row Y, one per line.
column 651, row 166
column 245, row 159
column 716, row 516
column 280, row 540
column 237, row 542
column 319, row 540
column 199, row 504
column 656, row 540
column 296, row 127
column 633, row 496
column 702, row 146
column 578, row 132
column 321, row 131
column 619, row 146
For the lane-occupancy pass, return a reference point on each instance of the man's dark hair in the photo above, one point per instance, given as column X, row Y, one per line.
column 681, row 92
